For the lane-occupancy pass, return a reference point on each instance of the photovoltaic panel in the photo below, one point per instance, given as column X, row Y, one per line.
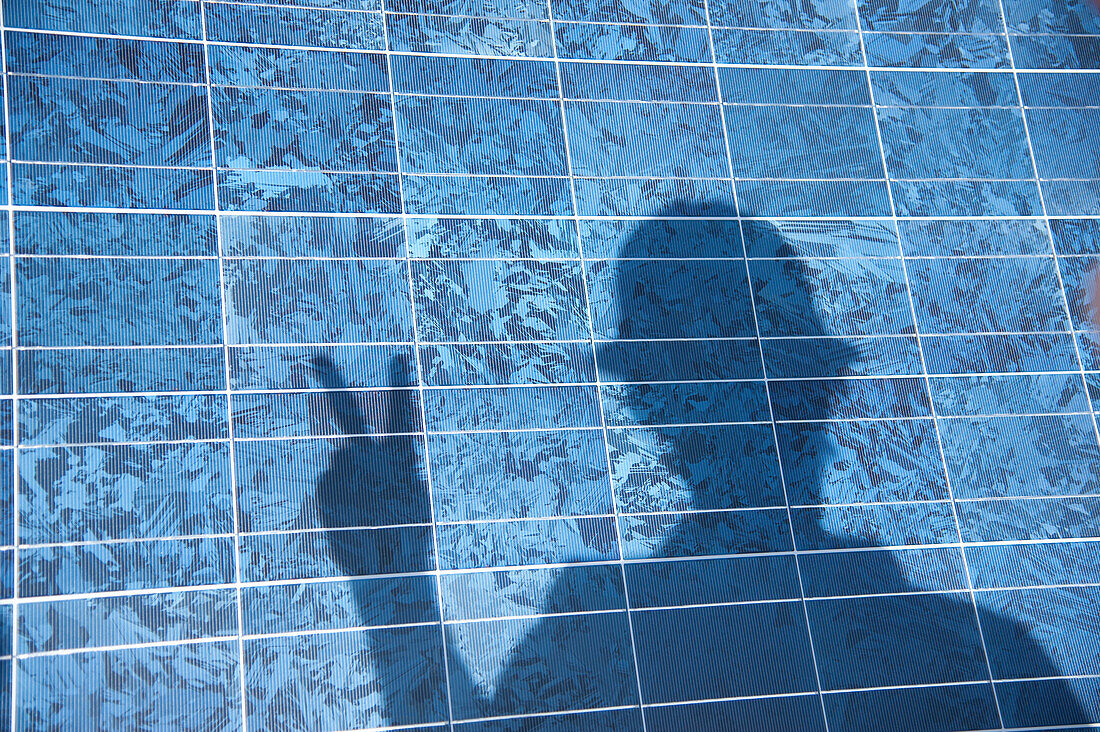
column 588, row 365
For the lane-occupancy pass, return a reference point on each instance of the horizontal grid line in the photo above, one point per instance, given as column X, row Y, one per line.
column 437, row 259
column 496, row 430
column 825, row 378
column 293, row 6
column 511, row 176
column 528, row 176
column 313, row 632
column 25, row 208
column 640, row 62
column 993, row 376
column 856, row 689
column 1031, row 541
column 520, row 429
column 427, row 574
column 669, row 513
column 400, row 727
column 547, row 97
column 638, row 22
column 599, row 341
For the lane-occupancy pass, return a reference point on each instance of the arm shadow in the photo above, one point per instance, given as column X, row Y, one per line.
column 373, row 502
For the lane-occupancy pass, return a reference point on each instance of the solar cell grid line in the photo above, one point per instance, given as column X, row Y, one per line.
column 852, row 64
column 924, row 370
column 13, row 616
column 181, row 346
column 257, row 389
column 49, row 163
column 24, row 208
column 314, row 632
column 592, row 341
column 698, row 512
column 420, row 386
column 548, row 429
column 638, row 100
column 764, row 370
column 262, row 584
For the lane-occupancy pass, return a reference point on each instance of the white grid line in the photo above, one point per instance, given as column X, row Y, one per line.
column 444, row 645
column 640, row 62
column 222, row 291
column 1051, row 498
column 9, row 191
column 595, row 366
column 1007, row 378
column 686, row 513
column 242, row 258
column 293, row 6
column 684, row 703
column 487, row 620
column 571, row 428
column 459, row 344
column 547, row 21
column 91, row 210
column 547, row 96
column 381, row 172
column 928, row 386
column 343, row 579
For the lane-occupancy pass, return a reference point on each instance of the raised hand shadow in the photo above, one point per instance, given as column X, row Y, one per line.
column 373, row 499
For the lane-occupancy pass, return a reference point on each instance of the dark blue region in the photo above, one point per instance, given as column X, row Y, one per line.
column 297, row 68
column 104, row 58
column 174, row 19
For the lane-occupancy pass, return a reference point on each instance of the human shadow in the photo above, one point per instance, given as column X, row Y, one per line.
column 709, row 523
column 373, row 501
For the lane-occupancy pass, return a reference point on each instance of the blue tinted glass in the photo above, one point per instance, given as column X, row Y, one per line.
column 550, row 365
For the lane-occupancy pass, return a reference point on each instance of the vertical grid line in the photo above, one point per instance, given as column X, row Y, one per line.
column 14, row 671
column 1046, row 220
column 595, row 362
column 924, row 369
column 764, row 368
column 1049, row 233
column 228, row 384
column 437, row 567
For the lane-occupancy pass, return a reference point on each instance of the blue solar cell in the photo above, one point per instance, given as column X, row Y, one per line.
column 516, row 366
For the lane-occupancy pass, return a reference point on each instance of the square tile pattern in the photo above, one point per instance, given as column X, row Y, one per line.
column 546, row 366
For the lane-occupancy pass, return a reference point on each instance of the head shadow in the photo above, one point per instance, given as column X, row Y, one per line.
column 678, row 301
column 905, row 612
